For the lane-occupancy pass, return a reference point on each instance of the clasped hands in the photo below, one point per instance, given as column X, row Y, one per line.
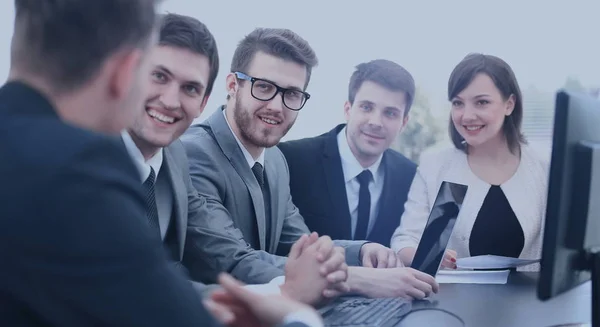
column 316, row 270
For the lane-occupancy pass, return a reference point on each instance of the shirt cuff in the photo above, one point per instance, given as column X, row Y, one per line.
column 360, row 253
column 307, row 317
column 272, row 288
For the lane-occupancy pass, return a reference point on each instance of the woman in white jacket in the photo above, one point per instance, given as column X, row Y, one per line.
column 504, row 209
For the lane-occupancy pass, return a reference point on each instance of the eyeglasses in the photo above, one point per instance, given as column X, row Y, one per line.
column 264, row 90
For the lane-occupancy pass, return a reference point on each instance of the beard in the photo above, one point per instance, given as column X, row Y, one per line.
column 250, row 130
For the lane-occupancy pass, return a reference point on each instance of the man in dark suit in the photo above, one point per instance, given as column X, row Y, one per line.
column 183, row 69
column 75, row 246
column 235, row 165
column 347, row 183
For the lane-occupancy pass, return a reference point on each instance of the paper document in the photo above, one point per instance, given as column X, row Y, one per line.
column 448, row 276
column 492, row 262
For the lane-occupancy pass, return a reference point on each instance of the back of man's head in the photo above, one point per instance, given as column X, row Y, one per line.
column 385, row 73
column 188, row 33
column 66, row 42
column 278, row 42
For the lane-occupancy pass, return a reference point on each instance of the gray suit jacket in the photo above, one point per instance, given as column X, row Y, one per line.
column 171, row 186
column 220, row 174
column 187, row 205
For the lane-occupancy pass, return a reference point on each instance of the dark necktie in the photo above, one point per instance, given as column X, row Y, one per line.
column 259, row 173
column 364, row 205
column 151, row 209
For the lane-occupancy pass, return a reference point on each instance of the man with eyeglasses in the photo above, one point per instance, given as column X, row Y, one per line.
column 184, row 66
column 235, row 165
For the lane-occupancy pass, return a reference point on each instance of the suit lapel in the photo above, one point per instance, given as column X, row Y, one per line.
column 226, row 141
column 179, row 192
column 386, row 201
column 273, row 180
column 334, row 177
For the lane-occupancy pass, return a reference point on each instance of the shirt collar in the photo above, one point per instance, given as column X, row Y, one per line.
column 247, row 155
column 142, row 165
column 350, row 165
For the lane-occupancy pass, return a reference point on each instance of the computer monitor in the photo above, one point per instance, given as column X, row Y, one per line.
column 572, row 227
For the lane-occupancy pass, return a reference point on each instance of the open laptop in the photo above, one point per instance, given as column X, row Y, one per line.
column 442, row 219
column 360, row 311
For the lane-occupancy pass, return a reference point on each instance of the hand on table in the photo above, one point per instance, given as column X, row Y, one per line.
column 408, row 254
column 374, row 255
column 404, row 282
column 449, row 260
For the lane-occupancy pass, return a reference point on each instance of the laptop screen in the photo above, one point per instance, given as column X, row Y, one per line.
column 440, row 225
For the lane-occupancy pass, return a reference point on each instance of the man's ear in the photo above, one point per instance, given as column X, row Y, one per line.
column 347, row 108
column 405, row 120
column 124, row 69
column 231, row 84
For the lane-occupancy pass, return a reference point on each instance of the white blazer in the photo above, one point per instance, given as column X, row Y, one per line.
column 526, row 192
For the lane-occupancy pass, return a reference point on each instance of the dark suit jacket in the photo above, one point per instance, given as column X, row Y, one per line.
column 75, row 246
column 236, row 215
column 319, row 192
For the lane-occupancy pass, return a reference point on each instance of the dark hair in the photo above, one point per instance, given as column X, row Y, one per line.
column 278, row 42
column 385, row 73
column 506, row 82
column 67, row 41
column 189, row 33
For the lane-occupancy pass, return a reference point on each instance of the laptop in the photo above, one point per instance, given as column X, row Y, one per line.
column 440, row 225
column 360, row 311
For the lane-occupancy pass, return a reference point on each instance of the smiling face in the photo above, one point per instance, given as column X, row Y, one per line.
column 374, row 120
column 176, row 96
column 479, row 111
column 261, row 124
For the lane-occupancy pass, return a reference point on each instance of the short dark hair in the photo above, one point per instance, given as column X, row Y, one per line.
column 67, row 41
column 506, row 82
column 386, row 73
column 189, row 33
column 278, row 42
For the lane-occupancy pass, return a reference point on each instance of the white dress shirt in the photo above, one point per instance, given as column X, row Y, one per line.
column 138, row 158
column 247, row 155
column 143, row 165
column 352, row 168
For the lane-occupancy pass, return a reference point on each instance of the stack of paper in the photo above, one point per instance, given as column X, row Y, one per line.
column 492, row 262
column 448, row 276
column 466, row 275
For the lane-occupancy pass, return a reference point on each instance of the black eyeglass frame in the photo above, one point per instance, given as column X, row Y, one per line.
column 279, row 89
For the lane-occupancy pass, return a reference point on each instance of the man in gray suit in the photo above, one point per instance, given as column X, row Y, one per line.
column 184, row 67
column 245, row 179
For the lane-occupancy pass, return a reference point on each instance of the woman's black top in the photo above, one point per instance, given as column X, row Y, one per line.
column 496, row 230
